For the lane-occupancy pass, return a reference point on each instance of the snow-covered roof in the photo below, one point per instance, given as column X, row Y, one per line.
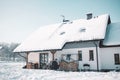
column 55, row 36
column 112, row 35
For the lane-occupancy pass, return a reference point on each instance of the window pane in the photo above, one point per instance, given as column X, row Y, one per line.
column 68, row 57
column 91, row 55
column 116, row 58
column 80, row 55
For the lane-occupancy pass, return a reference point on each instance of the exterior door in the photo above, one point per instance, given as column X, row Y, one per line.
column 43, row 60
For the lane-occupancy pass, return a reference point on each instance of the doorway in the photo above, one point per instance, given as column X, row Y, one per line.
column 43, row 60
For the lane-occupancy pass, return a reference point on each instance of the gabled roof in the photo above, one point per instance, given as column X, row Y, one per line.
column 55, row 36
column 112, row 37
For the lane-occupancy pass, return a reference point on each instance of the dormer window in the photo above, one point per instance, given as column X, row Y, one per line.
column 83, row 29
column 62, row 33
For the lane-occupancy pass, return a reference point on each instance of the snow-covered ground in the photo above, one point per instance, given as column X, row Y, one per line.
column 13, row 71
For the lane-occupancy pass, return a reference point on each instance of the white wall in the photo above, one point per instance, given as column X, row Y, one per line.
column 72, row 48
column 85, row 56
column 33, row 57
column 107, row 57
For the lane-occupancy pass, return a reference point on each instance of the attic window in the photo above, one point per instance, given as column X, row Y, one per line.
column 62, row 33
column 83, row 29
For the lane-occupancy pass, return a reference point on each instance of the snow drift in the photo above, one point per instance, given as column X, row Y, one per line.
column 14, row 71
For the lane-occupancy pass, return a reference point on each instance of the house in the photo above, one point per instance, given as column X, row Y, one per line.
column 91, row 43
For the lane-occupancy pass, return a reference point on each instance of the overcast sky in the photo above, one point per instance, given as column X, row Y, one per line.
column 19, row 18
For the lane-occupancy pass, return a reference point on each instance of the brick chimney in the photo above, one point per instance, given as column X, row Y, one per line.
column 89, row 16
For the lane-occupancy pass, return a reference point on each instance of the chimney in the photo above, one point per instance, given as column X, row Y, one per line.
column 89, row 16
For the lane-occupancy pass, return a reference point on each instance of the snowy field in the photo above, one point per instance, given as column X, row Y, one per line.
column 13, row 71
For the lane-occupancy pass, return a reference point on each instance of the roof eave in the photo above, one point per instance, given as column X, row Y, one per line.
column 56, row 49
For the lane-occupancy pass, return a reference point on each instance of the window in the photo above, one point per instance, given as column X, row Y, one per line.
column 91, row 55
column 116, row 58
column 62, row 33
column 79, row 55
column 82, row 29
column 43, row 57
column 68, row 57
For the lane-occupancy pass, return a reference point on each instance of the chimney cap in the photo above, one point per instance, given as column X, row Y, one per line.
column 89, row 16
column 89, row 13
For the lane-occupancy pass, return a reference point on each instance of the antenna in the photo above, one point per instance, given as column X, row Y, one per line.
column 64, row 20
column 63, row 17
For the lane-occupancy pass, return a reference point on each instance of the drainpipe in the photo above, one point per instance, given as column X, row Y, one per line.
column 97, row 55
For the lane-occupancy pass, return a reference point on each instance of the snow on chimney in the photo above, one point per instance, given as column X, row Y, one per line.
column 89, row 16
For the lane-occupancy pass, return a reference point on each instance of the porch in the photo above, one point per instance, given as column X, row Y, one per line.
column 65, row 62
column 62, row 66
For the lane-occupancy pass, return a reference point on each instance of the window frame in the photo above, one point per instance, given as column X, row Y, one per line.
column 68, row 57
column 80, row 55
column 116, row 58
column 91, row 55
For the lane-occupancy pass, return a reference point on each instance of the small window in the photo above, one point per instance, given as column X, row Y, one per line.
column 62, row 33
column 79, row 55
column 68, row 57
column 83, row 29
column 116, row 58
column 91, row 55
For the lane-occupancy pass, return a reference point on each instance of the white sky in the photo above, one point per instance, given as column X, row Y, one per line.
column 19, row 18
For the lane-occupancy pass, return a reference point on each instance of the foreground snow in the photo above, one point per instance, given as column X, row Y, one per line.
column 13, row 71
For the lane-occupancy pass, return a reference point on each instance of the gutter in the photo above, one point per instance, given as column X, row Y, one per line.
column 97, row 55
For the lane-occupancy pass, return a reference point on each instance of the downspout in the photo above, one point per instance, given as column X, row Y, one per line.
column 97, row 55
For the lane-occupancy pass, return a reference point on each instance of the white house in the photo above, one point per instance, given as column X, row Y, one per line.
column 92, row 42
